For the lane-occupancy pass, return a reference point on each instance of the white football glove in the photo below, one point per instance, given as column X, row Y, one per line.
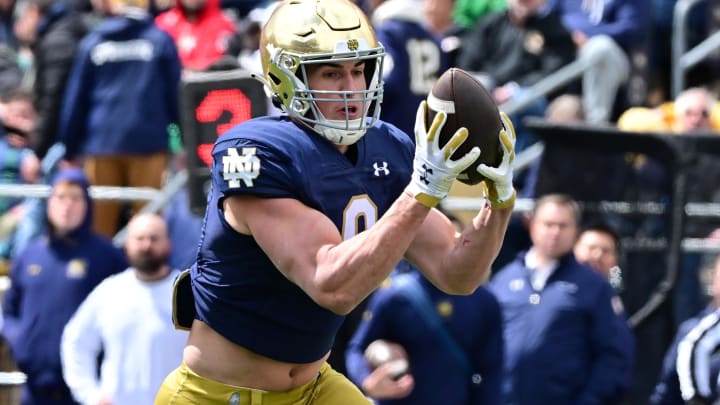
column 433, row 170
column 499, row 180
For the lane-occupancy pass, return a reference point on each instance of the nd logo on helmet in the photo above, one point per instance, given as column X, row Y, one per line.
column 353, row 44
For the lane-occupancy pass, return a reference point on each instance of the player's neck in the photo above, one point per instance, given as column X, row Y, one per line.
column 350, row 152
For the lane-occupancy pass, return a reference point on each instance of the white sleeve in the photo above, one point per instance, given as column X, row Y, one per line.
column 79, row 349
column 693, row 357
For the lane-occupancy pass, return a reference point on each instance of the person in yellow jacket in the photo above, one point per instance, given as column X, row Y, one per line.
column 694, row 110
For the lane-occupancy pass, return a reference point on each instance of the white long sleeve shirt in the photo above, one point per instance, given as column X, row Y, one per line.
column 130, row 320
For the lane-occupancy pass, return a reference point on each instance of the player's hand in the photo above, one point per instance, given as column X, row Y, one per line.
column 382, row 384
column 433, row 170
column 499, row 180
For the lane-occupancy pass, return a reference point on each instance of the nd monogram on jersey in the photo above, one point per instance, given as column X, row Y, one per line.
column 245, row 167
column 236, row 287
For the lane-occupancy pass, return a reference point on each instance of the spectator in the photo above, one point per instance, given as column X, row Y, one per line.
column 7, row 19
column 121, row 96
column 565, row 109
column 438, row 19
column 604, row 32
column 52, row 29
column 184, row 226
column 127, row 317
column 599, row 247
column 694, row 110
column 468, row 12
column 667, row 390
column 694, row 363
column 413, row 62
column 11, row 75
column 18, row 163
column 50, row 278
column 455, row 353
column 514, row 49
column 200, row 30
column 561, row 333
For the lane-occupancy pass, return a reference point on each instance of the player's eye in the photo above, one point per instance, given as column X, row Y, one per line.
column 329, row 74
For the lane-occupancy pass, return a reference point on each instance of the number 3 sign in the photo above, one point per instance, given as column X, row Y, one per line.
column 211, row 104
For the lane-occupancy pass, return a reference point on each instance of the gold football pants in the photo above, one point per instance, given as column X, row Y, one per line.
column 184, row 387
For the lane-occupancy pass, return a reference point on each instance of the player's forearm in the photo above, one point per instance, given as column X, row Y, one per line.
column 348, row 272
column 469, row 264
column 462, row 265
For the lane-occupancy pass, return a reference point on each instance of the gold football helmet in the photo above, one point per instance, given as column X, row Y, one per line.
column 303, row 32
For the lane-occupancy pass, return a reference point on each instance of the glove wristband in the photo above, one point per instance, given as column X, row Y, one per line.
column 496, row 201
column 422, row 197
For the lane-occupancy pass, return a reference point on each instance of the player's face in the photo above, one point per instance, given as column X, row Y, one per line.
column 66, row 207
column 553, row 230
column 338, row 77
column 598, row 250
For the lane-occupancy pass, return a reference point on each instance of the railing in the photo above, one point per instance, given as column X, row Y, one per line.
column 554, row 81
column 696, row 245
column 682, row 60
column 157, row 199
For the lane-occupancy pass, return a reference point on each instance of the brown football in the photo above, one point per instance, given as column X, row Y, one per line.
column 467, row 104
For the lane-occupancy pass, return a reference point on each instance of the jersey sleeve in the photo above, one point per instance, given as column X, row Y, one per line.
column 246, row 166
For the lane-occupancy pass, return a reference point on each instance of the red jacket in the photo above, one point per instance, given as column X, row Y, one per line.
column 202, row 42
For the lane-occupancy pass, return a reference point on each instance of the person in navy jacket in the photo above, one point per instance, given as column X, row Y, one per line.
column 473, row 321
column 562, row 343
column 50, row 278
column 121, row 95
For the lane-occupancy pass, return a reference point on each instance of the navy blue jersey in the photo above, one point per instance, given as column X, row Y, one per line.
column 413, row 64
column 237, row 289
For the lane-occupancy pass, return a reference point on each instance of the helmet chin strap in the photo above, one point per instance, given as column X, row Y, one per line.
column 339, row 136
column 338, row 131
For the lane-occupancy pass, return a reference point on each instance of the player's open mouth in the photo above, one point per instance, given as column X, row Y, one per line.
column 350, row 111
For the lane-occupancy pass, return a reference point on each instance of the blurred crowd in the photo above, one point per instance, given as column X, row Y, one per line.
column 90, row 96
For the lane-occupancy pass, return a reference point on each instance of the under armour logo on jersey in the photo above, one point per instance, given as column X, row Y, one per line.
column 245, row 167
column 381, row 169
column 425, row 173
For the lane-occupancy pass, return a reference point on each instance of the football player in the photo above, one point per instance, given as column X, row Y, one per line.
column 309, row 211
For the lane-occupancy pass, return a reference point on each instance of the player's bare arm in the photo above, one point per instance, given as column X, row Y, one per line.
column 308, row 249
column 459, row 263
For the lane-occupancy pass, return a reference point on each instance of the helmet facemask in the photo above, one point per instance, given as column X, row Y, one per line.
column 302, row 104
column 305, row 33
